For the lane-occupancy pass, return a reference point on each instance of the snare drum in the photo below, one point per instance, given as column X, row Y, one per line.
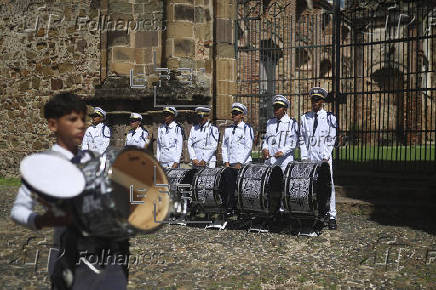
column 207, row 187
column 115, row 193
column 307, row 188
column 259, row 188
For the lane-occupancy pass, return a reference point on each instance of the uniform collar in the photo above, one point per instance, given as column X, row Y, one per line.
column 58, row 148
column 320, row 112
column 241, row 124
column 98, row 125
column 205, row 125
column 139, row 129
column 170, row 125
column 285, row 119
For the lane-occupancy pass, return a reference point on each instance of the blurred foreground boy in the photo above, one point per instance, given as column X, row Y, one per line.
column 65, row 114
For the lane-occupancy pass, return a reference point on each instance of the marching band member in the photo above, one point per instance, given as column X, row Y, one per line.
column 318, row 135
column 203, row 140
column 238, row 139
column 98, row 135
column 137, row 136
column 281, row 135
column 65, row 114
column 236, row 151
column 169, row 140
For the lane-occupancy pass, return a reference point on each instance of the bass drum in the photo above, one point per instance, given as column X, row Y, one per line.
column 259, row 188
column 180, row 187
column 307, row 188
column 207, row 186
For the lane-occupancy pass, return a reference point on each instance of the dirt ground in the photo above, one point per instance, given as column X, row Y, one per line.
column 361, row 253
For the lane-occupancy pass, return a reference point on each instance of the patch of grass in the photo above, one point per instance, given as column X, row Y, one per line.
column 372, row 152
column 10, row 181
column 388, row 153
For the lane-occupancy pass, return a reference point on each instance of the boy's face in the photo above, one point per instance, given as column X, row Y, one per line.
column 237, row 116
column 317, row 104
column 279, row 111
column 168, row 117
column 96, row 119
column 69, row 129
column 134, row 123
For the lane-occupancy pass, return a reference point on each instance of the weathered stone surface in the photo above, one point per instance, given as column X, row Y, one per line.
column 203, row 32
column 123, row 54
column 226, row 69
column 24, row 85
column 225, row 50
column 224, row 107
column 180, row 30
column 121, row 68
column 118, row 38
column 184, row 12
column 201, row 15
column 173, row 63
column 183, row 47
column 56, row 84
column 224, row 32
column 36, row 82
column 66, row 67
column 226, row 9
column 120, row 7
column 226, row 88
column 146, row 39
column 81, row 45
column 143, row 56
column 183, row 1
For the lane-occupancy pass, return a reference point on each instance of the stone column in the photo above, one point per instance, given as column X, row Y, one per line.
column 225, row 70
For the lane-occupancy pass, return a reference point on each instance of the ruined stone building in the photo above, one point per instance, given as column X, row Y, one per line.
column 139, row 55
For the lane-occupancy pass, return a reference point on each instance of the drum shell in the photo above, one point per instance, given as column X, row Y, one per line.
column 307, row 188
column 259, row 188
column 180, row 182
column 207, row 187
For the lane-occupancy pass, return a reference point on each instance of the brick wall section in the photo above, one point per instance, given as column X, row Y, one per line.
column 37, row 64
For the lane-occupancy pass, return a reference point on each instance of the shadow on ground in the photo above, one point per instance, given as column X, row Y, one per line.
column 397, row 196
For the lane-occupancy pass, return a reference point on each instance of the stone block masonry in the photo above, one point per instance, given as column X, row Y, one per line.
column 42, row 52
column 88, row 47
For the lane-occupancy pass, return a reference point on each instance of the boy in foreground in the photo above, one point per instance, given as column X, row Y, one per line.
column 65, row 114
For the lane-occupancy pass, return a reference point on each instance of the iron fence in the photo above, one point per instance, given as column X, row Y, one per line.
column 377, row 62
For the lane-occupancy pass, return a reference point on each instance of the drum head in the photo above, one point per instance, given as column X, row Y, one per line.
column 52, row 175
column 145, row 182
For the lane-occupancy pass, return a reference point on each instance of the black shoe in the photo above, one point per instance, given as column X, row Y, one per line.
column 332, row 224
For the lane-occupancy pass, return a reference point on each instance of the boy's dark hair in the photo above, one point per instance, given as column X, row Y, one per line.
column 63, row 104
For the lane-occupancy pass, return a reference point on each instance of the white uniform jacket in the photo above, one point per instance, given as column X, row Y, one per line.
column 96, row 138
column 281, row 135
column 202, row 142
column 137, row 137
column 237, row 143
column 317, row 145
column 169, row 143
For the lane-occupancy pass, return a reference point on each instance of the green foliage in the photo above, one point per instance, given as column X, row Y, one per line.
column 10, row 181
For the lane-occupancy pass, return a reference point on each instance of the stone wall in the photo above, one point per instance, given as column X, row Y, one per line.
column 42, row 52
column 90, row 47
